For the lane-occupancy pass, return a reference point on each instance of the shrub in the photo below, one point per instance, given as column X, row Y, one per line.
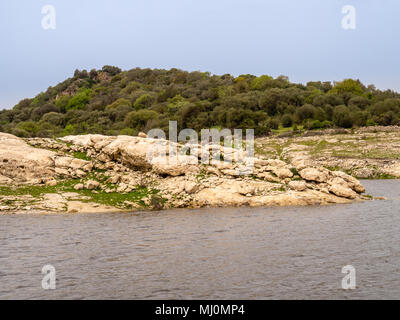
column 273, row 124
column 29, row 127
column 68, row 130
column 341, row 117
column 287, row 120
column 316, row 124
column 144, row 101
column 347, row 86
column 118, row 103
column 79, row 101
column 138, row 119
column 53, row 118
column 111, row 70
column 62, row 102
column 306, row 112
column 262, row 82
column 128, row 132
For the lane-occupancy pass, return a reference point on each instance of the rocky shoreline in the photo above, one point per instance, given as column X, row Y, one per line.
column 365, row 153
column 96, row 173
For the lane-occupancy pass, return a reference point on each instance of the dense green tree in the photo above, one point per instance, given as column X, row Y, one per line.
column 287, row 120
column 139, row 119
column 306, row 112
column 347, row 86
column 111, row 70
column 79, row 101
column 144, row 101
column 53, row 118
column 261, row 83
column 341, row 117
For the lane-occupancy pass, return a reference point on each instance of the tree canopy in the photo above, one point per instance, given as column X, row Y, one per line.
column 111, row 101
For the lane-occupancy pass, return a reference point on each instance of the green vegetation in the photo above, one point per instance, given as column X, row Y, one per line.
column 82, row 156
column 352, row 150
column 38, row 191
column 385, row 176
column 115, row 199
column 110, row 101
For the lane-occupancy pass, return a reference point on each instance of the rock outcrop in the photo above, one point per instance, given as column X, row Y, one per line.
column 150, row 177
column 365, row 153
column 20, row 162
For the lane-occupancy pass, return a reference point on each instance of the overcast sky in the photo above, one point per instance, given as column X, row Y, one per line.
column 301, row 39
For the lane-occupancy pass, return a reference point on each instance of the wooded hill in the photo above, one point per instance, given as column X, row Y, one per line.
column 110, row 101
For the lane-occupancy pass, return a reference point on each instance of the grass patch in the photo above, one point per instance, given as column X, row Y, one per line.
column 114, row 199
column 384, row 176
column 321, row 145
column 117, row 199
column 81, row 155
column 39, row 191
column 68, row 144
column 282, row 188
column 337, row 168
column 281, row 129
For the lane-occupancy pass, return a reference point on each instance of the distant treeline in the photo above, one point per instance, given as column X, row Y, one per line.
column 110, row 101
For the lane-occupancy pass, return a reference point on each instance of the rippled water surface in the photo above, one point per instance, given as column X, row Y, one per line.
column 241, row 253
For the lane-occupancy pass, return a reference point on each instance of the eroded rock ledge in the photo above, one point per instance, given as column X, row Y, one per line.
column 96, row 173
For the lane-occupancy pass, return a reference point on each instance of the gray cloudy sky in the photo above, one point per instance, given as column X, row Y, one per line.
column 301, row 39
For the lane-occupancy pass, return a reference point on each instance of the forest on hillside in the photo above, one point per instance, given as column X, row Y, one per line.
column 112, row 102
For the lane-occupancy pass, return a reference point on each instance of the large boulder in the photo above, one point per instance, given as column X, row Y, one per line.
column 339, row 187
column 79, row 164
column 5, row 180
column 220, row 197
column 352, row 182
column 297, row 185
column 20, row 162
column 393, row 170
column 175, row 166
column 139, row 153
column 62, row 162
column 91, row 184
column 314, row 174
column 282, row 173
column 191, row 187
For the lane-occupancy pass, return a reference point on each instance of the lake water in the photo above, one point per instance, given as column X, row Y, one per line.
column 232, row 253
